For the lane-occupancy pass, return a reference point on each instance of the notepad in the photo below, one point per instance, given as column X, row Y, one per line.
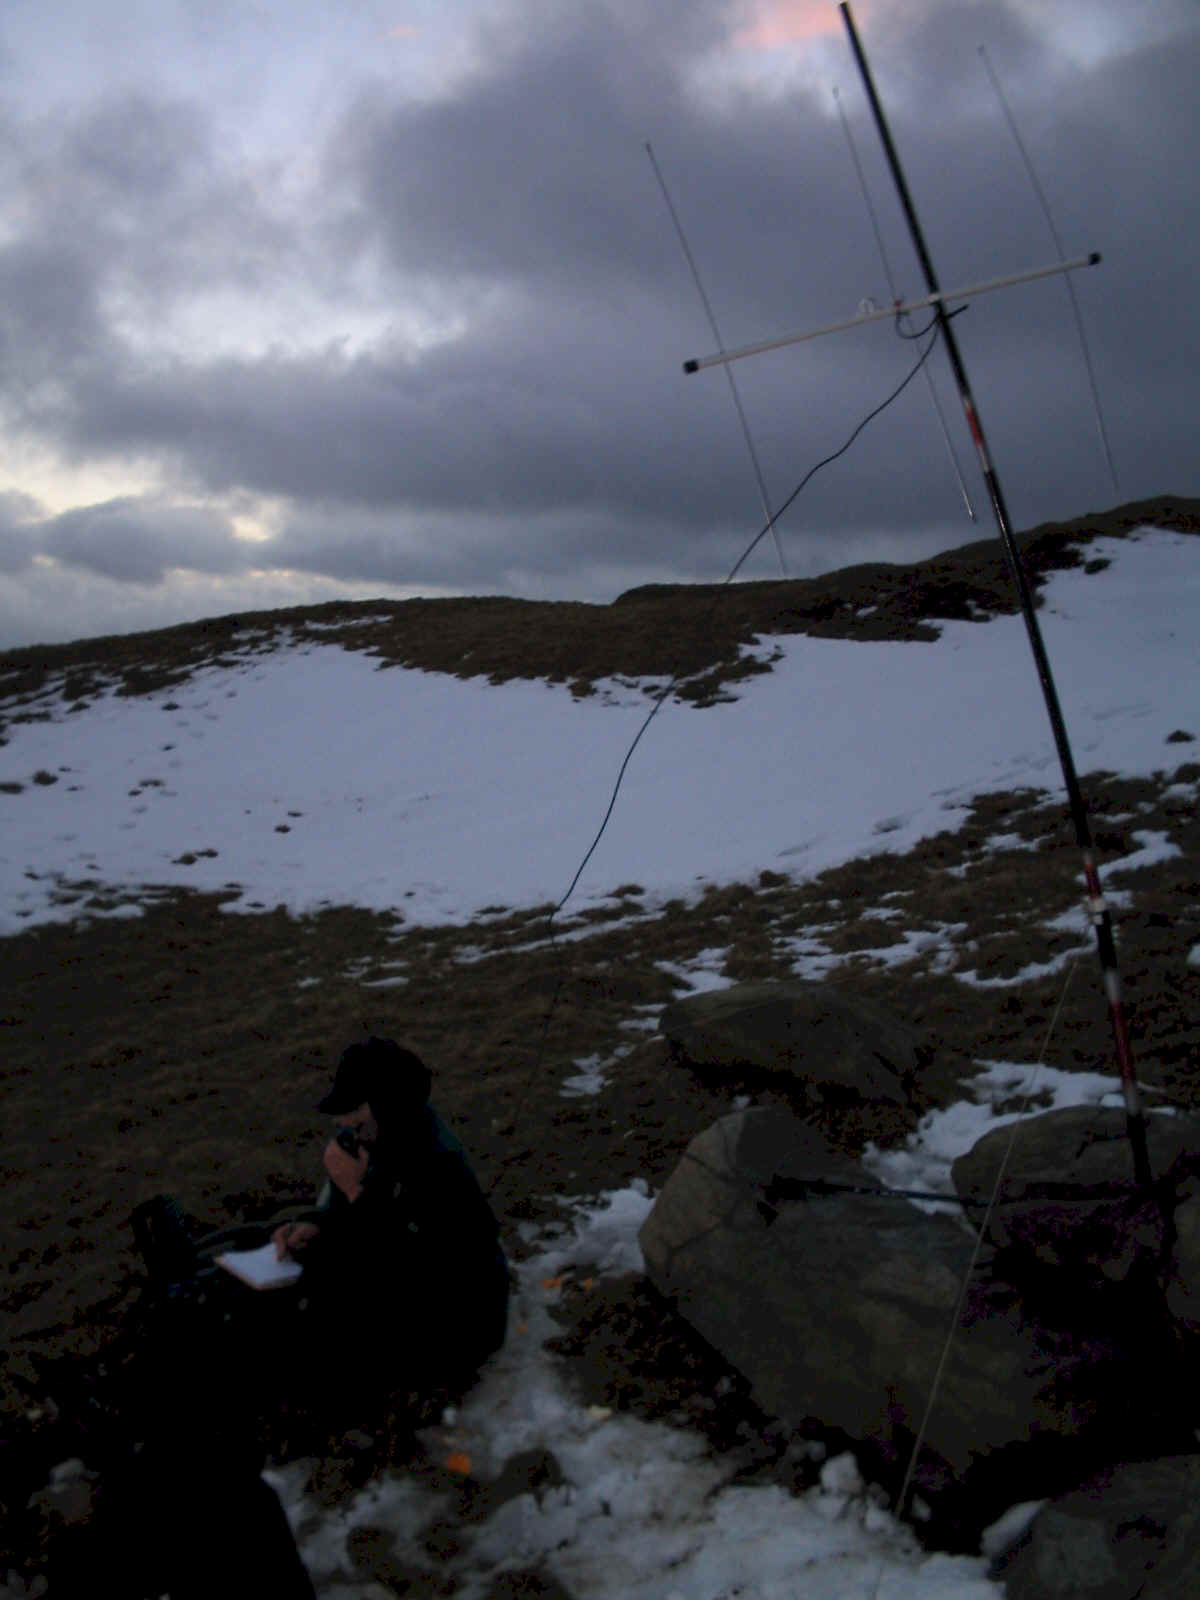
column 259, row 1268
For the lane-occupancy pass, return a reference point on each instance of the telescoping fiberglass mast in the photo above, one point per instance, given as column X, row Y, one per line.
column 936, row 299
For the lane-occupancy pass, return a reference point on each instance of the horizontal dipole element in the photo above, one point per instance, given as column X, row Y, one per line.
column 896, row 310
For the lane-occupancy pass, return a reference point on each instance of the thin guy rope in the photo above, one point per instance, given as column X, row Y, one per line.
column 985, row 1220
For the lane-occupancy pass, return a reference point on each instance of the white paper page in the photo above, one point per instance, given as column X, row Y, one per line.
column 259, row 1268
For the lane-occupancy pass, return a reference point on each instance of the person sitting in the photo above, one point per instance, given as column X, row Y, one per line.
column 405, row 1282
column 404, row 1292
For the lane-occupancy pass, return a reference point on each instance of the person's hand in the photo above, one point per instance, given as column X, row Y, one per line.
column 292, row 1236
column 345, row 1170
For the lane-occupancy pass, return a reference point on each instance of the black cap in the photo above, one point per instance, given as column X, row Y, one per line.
column 379, row 1071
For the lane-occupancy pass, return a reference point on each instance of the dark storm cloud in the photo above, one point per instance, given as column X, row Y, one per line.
column 124, row 210
column 50, row 321
column 555, row 431
column 477, row 553
column 138, row 541
column 483, row 424
column 1128, row 189
column 537, row 175
column 17, row 542
column 136, row 153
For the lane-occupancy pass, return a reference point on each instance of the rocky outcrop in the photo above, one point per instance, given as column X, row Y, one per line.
column 1132, row 1531
column 1069, row 1200
column 836, row 1302
column 1183, row 1274
column 823, row 1040
column 836, row 1305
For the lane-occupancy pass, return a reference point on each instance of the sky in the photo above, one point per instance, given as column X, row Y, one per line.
column 310, row 301
column 476, row 793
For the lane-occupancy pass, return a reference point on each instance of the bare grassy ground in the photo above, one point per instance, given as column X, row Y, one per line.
column 184, row 1050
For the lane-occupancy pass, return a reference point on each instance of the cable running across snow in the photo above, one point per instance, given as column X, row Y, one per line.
column 767, row 528
column 659, row 701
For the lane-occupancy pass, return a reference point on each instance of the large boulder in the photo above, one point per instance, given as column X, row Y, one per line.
column 836, row 1305
column 1183, row 1273
column 1068, row 1199
column 817, row 1034
column 1133, row 1531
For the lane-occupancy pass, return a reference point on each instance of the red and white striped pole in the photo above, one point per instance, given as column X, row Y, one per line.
column 1097, row 908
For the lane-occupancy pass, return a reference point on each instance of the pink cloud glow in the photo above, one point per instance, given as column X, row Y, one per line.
column 788, row 22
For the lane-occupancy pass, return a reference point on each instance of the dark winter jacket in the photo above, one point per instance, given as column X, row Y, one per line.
column 419, row 1244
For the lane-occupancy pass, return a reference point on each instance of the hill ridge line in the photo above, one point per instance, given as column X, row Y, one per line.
column 654, row 631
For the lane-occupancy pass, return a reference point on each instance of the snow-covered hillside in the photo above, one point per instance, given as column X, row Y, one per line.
column 307, row 776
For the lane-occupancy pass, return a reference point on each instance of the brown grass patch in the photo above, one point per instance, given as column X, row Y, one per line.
column 695, row 631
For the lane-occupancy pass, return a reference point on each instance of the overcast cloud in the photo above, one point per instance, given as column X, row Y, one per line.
column 295, row 305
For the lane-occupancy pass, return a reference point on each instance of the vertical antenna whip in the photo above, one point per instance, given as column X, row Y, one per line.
column 1045, row 205
column 891, row 283
column 768, row 514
